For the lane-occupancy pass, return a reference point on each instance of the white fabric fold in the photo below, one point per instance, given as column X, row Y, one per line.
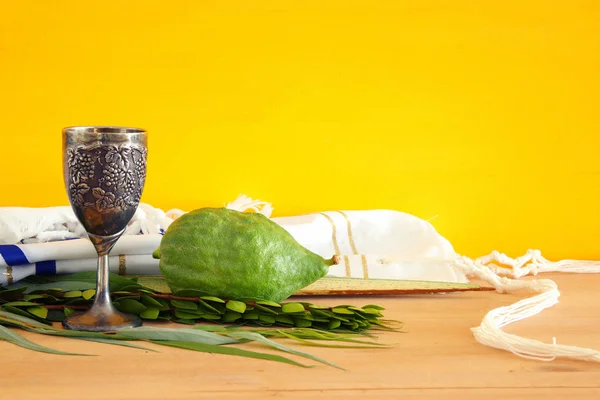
column 373, row 243
column 83, row 249
column 123, row 265
column 376, row 244
column 46, row 224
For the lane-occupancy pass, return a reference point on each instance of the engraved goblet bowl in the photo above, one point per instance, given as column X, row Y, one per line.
column 104, row 173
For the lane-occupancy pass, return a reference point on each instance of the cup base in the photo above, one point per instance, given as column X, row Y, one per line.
column 103, row 321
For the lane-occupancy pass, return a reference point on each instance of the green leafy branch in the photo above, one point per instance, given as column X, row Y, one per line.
column 53, row 301
column 35, row 303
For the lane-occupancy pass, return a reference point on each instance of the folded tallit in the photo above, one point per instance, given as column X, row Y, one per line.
column 372, row 243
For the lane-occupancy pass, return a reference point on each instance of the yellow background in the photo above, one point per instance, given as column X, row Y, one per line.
column 479, row 115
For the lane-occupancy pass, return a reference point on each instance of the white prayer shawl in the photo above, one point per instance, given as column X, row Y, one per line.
column 373, row 244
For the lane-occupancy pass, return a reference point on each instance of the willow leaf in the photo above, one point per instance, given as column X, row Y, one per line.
column 11, row 322
column 22, row 319
column 117, row 342
column 15, row 291
column 259, row 338
column 74, row 334
column 213, row 328
column 176, row 334
column 15, row 338
column 316, row 334
column 305, row 334
column 365, row 344
column 232, row 351
column 23, row 313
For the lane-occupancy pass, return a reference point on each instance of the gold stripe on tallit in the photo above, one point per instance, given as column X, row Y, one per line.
column 347, row 263
column 9, row 276
column 363, row 258
column 365, row 266
column 336, row 246
column 122, row 265
column 352, row 244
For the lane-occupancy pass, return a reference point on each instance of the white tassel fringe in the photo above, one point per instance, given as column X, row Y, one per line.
column 489, row 332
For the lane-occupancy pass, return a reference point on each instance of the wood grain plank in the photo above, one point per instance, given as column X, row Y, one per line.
column 436, row 356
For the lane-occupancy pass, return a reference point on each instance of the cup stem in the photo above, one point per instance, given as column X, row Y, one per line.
column 102, row 298
column 102, row 316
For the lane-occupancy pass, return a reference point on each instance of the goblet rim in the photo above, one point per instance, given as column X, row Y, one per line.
column 104, row 129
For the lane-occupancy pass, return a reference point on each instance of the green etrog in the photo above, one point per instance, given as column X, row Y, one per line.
column 236, row 255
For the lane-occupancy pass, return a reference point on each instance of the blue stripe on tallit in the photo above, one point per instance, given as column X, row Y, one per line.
column 45, row 268
column 13, row 255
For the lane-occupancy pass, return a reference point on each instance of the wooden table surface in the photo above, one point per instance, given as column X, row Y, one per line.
column 436, row 358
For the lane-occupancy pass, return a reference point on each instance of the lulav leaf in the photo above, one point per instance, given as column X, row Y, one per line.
column 365, row 345
column 15, row 338
column 116, row 342
column 253, row 336
column 22, row 320
column 232, row 351
column 176, row 334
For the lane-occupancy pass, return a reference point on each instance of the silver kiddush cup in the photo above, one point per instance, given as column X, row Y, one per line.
column 104, row 171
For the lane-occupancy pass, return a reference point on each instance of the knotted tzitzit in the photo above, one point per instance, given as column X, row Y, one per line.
column 495, row 269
